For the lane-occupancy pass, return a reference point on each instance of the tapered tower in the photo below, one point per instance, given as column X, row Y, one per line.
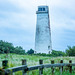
column 43, row 34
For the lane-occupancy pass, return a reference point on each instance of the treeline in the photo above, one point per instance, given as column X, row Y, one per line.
column 54, row 53
column 6, row 47
column 70, row 51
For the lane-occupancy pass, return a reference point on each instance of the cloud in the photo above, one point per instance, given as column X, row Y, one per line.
column 18, row 22
column 16, row 26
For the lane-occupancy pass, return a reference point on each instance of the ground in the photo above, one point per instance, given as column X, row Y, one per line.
column 32, row 60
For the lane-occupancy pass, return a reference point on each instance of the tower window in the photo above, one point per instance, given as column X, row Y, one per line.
column 43, row 9
column 48, row 47
column 40, row 9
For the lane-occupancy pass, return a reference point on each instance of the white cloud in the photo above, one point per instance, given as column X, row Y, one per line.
column 22, row 16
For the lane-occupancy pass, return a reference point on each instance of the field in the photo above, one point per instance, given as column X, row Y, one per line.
column 16, row 60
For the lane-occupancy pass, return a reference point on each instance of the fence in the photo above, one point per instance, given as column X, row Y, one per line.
column 41, row 66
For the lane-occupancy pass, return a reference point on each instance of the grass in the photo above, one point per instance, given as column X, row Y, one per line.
column 16, row 60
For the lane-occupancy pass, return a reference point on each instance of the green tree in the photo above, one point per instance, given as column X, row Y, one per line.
column 19, row 50
column 6, row 47
column 70, row 51
column 57, row 53
column 31, row 51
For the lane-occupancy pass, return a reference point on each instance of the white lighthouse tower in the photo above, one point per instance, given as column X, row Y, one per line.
column 43, row 34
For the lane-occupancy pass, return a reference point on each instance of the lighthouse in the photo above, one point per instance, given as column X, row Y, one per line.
column 43, row 31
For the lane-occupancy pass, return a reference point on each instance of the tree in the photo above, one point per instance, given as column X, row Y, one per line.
column 57, row 53
column 31, row 51
column 19, row 50
column 6, row 47
column 70, row 51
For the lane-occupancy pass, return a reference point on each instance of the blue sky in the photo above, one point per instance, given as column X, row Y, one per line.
column 18, row 22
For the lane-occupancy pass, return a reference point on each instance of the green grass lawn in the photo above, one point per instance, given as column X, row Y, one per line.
column 32, row 60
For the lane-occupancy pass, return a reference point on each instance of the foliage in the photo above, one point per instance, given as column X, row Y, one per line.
column 32, row 60
column 31, row 51
column 70, row 51
column 6, row 47
column 57, row 53
column 19, row 50
column 53, row 54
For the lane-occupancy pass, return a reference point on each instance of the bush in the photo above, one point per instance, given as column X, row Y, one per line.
column 70, row 51
column 31, row 51
column 6, row 47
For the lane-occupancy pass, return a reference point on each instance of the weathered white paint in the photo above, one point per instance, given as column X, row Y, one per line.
column 43, row 35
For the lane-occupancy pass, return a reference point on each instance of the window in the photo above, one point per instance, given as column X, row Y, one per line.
column 43, row 9
column 48, row 47
column 40, row 9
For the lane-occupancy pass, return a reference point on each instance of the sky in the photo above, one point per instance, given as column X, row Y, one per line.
column 18, row 22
